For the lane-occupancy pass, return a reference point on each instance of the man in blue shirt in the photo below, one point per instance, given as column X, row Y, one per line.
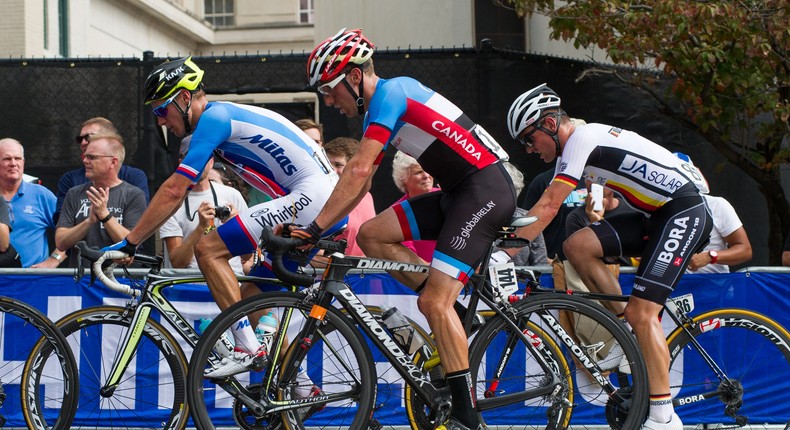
column 31, row 207
column 94, row 126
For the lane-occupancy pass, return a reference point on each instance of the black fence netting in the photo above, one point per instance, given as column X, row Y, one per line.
column 45, row 101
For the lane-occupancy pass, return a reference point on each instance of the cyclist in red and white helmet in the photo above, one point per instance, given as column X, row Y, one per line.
column 463, row 217
column 346, row 49
column 670, row 224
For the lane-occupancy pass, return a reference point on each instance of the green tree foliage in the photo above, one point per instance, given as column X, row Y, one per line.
column 720, row 67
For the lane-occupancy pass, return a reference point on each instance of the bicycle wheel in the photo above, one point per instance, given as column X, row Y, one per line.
column 503, row 368
column 333, row 387
column 47, row 396
column 752, row 351
column 151, row 393
column 392, row 393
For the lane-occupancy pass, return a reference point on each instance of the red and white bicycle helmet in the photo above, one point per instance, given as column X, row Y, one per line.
column 330, row 57
column 528, row 108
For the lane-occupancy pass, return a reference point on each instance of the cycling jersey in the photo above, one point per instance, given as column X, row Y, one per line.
column 673, row 221
column 464, row 216
column 271, row 154
column 427, row 126
column 646, row 174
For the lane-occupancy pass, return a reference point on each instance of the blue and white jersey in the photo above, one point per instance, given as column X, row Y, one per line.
column 263, row 147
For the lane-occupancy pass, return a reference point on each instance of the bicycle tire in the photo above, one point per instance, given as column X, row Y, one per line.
column 589, row 401
column 337, row 358
column 754, row 352
column 47, row 397
column 101, row 328
column 418, row 414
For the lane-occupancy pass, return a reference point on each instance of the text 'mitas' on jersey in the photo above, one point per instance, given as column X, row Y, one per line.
column 266, row 149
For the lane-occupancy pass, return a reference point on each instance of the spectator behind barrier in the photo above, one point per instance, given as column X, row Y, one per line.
column 196, row 217
column 8, row 255
column 312, row 129
column 786, row 252
column 535, row 253
column 72, row 178
column 339, row 151
column 30, row 209
column 412, row 180
column 729, row 244
column 102, row 211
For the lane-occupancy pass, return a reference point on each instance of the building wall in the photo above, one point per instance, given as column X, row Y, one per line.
column 392, row 24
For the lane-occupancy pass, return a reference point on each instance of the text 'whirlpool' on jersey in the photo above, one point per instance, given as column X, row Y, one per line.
column 459, row 138
column 269, row 218
column 662, row 177
column 275, row 151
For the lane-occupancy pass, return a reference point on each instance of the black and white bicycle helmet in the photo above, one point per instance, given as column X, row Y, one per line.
column 331, row 56
column 528, row 108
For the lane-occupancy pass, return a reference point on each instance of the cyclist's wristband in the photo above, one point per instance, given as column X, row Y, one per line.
column 105, row 219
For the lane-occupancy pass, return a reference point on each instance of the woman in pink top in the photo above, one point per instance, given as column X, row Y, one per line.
column 413, row 181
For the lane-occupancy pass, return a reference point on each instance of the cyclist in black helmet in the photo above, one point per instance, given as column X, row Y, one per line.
column 670, row 213
column 266, row 150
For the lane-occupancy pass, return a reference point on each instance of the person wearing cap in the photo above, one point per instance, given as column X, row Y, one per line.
column 463, row 217
column 670, row 213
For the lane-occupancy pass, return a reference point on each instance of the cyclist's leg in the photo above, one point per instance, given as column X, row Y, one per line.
column 477, row 215
column 378, row 239
column 675, row 232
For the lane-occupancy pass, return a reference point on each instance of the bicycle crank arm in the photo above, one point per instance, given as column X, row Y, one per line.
column 240, row 394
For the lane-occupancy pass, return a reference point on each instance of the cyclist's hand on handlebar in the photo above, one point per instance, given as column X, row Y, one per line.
column 124, row 246
column 311, row 233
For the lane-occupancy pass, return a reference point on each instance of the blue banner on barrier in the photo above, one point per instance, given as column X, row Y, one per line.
column 59, row 295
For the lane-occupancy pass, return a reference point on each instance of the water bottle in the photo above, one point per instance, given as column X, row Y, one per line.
column 224, row 345
column 401, row 330
column 267, row 326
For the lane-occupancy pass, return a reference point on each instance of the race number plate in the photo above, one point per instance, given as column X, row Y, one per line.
column 685, row 303
column 503, row 279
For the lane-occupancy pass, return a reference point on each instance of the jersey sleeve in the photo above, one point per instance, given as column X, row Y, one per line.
column 213, row 129
column 577, row 150
column 385, row 110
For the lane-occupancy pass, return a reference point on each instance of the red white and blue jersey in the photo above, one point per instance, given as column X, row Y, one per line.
column 420, row 122
column 267, row 150
column 646, row 174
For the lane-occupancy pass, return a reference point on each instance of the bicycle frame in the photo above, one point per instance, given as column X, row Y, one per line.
column 152, row 298
column 333, row 287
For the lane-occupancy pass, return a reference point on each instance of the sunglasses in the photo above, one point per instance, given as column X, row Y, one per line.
column 329, row 86
column 161, row 110
column 528, row 140
column 80, row 138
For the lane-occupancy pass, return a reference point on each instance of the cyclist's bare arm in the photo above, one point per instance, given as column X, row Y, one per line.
column 354, row 183
column 545, row 209
column 163, row 205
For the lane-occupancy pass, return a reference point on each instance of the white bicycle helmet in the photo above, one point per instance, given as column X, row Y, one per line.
column 528, row 108
column 330, row 57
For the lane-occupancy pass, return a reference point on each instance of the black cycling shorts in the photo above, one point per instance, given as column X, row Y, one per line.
column 665, row 241
column 463, row 221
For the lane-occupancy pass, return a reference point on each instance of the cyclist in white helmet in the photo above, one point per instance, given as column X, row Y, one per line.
column 670, row 224
column 463, row 217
